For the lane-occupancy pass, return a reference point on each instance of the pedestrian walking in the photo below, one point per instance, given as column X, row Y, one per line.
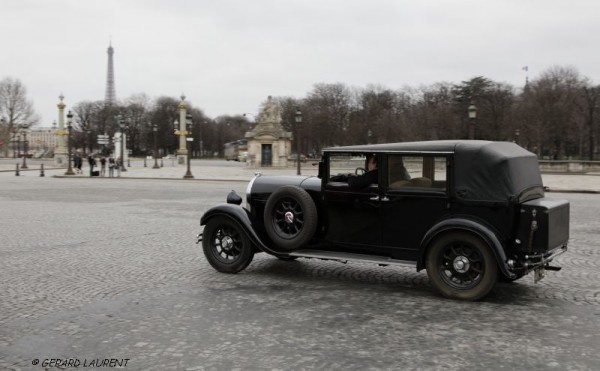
column 111, row 167
column 77, row 162
column 118, row 166
column 102, row 166
column 92, row 163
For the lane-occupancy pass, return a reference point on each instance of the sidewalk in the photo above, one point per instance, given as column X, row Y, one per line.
column 208, row 170
column 233, row 171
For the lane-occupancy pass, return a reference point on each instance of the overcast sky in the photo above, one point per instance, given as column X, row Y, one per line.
column 227, row 56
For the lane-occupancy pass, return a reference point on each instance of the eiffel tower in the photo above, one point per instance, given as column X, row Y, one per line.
column 110, row 97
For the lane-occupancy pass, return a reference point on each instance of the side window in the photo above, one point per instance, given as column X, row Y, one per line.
column 340, row 165
column 428, row 172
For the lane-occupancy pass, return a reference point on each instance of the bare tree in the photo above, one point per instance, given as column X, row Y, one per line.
column 15, row 109
column 553, row 97
column 327, row 109
column 588, row 106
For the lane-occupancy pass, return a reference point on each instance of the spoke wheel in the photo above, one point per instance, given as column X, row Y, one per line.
column 226, row 246
column 290, row 217
column 461, row 266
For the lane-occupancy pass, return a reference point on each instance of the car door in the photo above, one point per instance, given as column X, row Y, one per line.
column 411, row 206
column 353, row 216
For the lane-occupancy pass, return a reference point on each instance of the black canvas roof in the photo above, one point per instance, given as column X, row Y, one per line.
column 483, row 170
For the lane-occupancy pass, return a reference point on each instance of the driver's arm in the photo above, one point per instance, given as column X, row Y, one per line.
column 362, row 181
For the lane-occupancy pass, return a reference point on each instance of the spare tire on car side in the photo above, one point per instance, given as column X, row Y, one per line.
column 290, row 217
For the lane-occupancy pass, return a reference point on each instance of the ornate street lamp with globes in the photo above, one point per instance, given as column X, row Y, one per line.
column 123, row 127
column 69, row 129
column 188, row 124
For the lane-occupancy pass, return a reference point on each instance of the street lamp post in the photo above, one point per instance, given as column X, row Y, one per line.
column 18, row 134
column 69, row 128
column 123, row 127
column 88, row 142
column 472, row 116
column 25, row 149
column 188, row 123
column 298, row 123
column 155, row 131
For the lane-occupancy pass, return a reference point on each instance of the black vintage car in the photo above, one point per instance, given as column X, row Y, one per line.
column 470, row 212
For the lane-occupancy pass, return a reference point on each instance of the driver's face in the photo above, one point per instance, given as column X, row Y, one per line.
column 371, row 165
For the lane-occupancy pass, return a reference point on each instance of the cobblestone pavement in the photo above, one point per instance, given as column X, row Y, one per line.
column 94, row 270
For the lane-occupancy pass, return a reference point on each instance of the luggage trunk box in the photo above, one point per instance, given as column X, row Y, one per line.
column 543, row 224
column 95, row 173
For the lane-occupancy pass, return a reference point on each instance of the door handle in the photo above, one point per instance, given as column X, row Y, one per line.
column 385, row 199
column 374, row 198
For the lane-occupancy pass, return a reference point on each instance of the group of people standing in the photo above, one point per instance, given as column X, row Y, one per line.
column 112, row 165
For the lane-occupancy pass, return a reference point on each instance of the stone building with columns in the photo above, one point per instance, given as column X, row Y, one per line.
column 268, row 143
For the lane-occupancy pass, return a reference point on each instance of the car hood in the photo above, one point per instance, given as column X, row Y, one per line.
column 267, row 184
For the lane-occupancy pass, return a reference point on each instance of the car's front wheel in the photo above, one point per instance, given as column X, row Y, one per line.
column 461, row 266
column 226, row 246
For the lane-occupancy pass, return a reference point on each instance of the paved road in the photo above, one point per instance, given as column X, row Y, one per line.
column 93, row 270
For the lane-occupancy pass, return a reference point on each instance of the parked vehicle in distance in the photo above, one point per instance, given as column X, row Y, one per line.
column 243, row 156
column 469, row 212
column 232, row 150
column 293, row 157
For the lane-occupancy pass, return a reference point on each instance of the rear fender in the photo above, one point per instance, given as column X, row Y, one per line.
column 243, row 218
column 466, row 225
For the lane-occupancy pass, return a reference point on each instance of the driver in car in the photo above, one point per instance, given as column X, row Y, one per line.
column 368, row 178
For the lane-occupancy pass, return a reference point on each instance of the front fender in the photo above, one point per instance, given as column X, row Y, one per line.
column 480, row 230
column 243, row 218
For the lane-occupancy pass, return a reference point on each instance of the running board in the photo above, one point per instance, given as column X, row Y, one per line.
column 344, row 257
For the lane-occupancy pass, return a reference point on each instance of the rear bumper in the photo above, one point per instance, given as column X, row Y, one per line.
column 530, row 262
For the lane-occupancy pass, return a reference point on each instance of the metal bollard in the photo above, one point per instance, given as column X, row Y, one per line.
column 17, row 172
column 42, row 170
column 161, row 162
column 128, row 163
column 144, row 161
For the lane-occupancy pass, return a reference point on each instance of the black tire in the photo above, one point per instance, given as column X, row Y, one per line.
column 461, row 266
column 226, row 246
column 290, row 217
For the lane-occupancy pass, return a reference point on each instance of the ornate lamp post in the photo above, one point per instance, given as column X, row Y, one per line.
column 188, row 123
column 472, row 116
column 18, row 144
column 25, row 149
column 69, row 128
column 123, row 127
column 298, row 123
column 88, row 143
column 155, row 131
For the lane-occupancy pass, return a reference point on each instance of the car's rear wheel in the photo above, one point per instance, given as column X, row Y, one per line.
column 461, row 266
column 290, row 217
column 226, row 246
